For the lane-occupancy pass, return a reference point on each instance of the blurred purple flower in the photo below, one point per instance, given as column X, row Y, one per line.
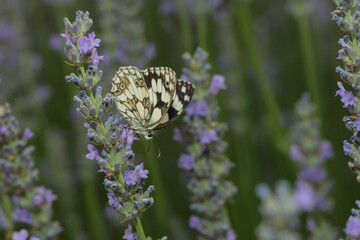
column 217, row 83
column 197, row 109
column 22, row 215
column 3, row 130
column 27, row 134
column 42, row 194
column 87, row 126
column 34, row 238
column 43, row 93
column 230, row 235
column 140, row 172
column 357, row 122
column 194, row 222
column 128, row 233
column 95, row 58
column 93, row 154
column 177, row 136
column 326, row 150
column 353, row 226
column 312, row 174
column 304, row 196
column 55, row 42
column 346, row 97
column 295, row 153
column 168, row 8
column 129, row 177
column 87, row 44
column 207, row 137
column 21, row 235
column 186, row 161
column 150, row 51
column 113, row 200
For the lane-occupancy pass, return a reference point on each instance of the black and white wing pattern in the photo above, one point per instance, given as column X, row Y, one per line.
column 131, row 96
column 161, row 83
column 150, row 99
column 182, row 97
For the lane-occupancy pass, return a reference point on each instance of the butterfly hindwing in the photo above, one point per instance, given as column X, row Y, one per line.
column 132, row 95
column 160, row 82
column 182, row 97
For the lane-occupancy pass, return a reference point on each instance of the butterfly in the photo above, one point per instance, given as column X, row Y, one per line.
column 150, row 99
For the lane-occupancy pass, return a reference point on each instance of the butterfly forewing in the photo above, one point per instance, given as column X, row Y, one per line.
column 161, row 82
column 182, row 97
column 132, row 95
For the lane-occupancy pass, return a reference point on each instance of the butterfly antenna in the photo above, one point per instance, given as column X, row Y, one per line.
column 158, row 148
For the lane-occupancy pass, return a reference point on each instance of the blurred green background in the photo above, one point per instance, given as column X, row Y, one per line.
column 270, row 53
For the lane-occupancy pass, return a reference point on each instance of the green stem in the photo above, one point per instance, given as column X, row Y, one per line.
column 160, row 206
column 6, row 202
column 185, row 26
column 244, row 22
column 202, row 25
column 139, row 229
column 309, row 58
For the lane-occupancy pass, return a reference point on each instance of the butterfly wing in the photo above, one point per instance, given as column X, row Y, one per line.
column 131, row 96
column 161, row 82
column 182, row 97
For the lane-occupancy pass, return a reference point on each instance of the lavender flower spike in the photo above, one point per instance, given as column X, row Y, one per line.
column 311, row 194
column 25, row 208
column 201, row 135
column 111, row 143
column 347, row 18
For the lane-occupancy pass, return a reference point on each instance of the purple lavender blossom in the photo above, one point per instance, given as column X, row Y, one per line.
column 21, row 235
column 129, row 136
column 94, row 154
column 217, row 83
column 309, row 173
column 353, row 226
column 27, row 134
column 95, row 58
column 197, row 109
column 168, row 8
column 194, row 222
column 186, row 161
column 113, row 200
column 3, row 130
column 140, row 172
column 87, row 44
column 129, row 177
column 326, row 150
column 346, row 97
column 22, row 215
column 304, row 196
column 128, row 233
column 295, row 153
column 208, row 137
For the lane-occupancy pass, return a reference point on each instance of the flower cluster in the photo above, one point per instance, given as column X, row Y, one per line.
column 25, row 209
column 310, row 196
column 312, row 188
column 201, row 135
column 350, row 57
column 124, row 179
column 280, row 219
column 347, row 17
column 124, row 38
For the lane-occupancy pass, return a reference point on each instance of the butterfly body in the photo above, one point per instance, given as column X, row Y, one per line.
column 150, row 99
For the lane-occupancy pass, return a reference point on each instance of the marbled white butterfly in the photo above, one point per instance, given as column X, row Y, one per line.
column 150, row 99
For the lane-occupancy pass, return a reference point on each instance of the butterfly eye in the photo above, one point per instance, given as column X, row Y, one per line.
column 122, row 86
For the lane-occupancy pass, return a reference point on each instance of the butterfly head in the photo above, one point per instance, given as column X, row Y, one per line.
column 149, row 135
